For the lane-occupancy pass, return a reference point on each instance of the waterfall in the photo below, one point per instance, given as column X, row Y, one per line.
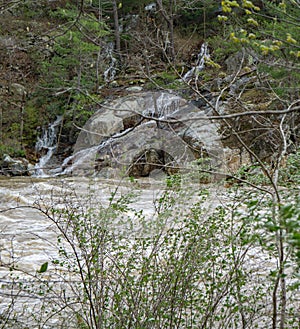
column 47, row 142
column 162, row 106
column 110, row 72
column 83, row 161
column 200, row 64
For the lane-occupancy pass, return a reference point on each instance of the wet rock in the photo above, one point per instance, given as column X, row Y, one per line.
column 14, row 167
column 145, row 132
column 134, row 88
column 114, row 117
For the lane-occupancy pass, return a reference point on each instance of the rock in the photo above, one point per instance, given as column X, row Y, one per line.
column 158, row 174
column 14, row 167
column 108, row 173
column 145, row 132
column 115, row 117
column 31, row 169
column 134, row 88
column 114, row 84
column 234, row 159
column 18, row 90
column 102, row 126
column 143, row 164
column 244, row 57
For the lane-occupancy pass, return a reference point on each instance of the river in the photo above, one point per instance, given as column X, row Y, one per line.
column 29, row 240
column 31, row 234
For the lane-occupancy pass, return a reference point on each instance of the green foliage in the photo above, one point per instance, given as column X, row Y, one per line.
column 266, row 29
column 43, row 268
column 253, row 174
column 30, row 9
column 166, row 77
column 78, row 112
column 70, row 68
column 73, row 63
column 271, row 30
column 196, row 16
column 13, row 151
column 32, row 119
column 283, row 80
column 197, row 262
column 74, row 55
column 290, row 214
column 168, row 254
column 222, row 47
column 173, row 181
column 289, row 175
column 204, row 169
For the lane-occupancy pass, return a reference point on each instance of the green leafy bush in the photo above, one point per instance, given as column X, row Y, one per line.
column 190, row 265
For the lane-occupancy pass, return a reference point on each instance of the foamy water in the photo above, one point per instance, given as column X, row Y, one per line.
column 28, row 238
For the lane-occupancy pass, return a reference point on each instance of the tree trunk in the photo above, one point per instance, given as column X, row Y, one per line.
column 117, row 28
column 168, row 16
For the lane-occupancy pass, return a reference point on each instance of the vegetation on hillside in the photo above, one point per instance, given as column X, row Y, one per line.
column 58, row 57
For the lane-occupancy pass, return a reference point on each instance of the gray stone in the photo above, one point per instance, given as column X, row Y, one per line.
column 145, row 132
column 18, row 90
column 14, row 167
column 242, row 58
column 134, row 88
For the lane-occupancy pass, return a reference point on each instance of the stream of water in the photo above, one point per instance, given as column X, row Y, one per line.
column 31, row 234
column 200, row 64
column 28, row 238
column 47, row 143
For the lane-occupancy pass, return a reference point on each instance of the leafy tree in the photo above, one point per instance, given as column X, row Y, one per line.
column 74, row 53
column 272, row 30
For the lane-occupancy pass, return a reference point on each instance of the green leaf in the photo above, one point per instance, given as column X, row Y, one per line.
column 43, row 268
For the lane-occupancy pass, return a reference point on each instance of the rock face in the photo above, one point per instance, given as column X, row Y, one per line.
column 145, row 132
column 15, row 167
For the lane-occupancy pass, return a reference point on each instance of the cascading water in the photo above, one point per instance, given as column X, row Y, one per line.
column 110, row 72
column 200, row 64
column 48, row 143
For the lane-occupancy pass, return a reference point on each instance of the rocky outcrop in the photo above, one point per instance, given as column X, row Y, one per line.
column 147, row 132
column 15, row 167
column 144, row 132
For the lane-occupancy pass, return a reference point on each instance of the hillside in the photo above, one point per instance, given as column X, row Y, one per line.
column 64, row 58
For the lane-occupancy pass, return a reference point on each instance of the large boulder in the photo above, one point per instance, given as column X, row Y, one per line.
column 15, row 167
column 143, row 132
column 123, row 113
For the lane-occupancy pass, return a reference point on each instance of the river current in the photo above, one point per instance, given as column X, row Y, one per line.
column 28, row 239
column 31, row 234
